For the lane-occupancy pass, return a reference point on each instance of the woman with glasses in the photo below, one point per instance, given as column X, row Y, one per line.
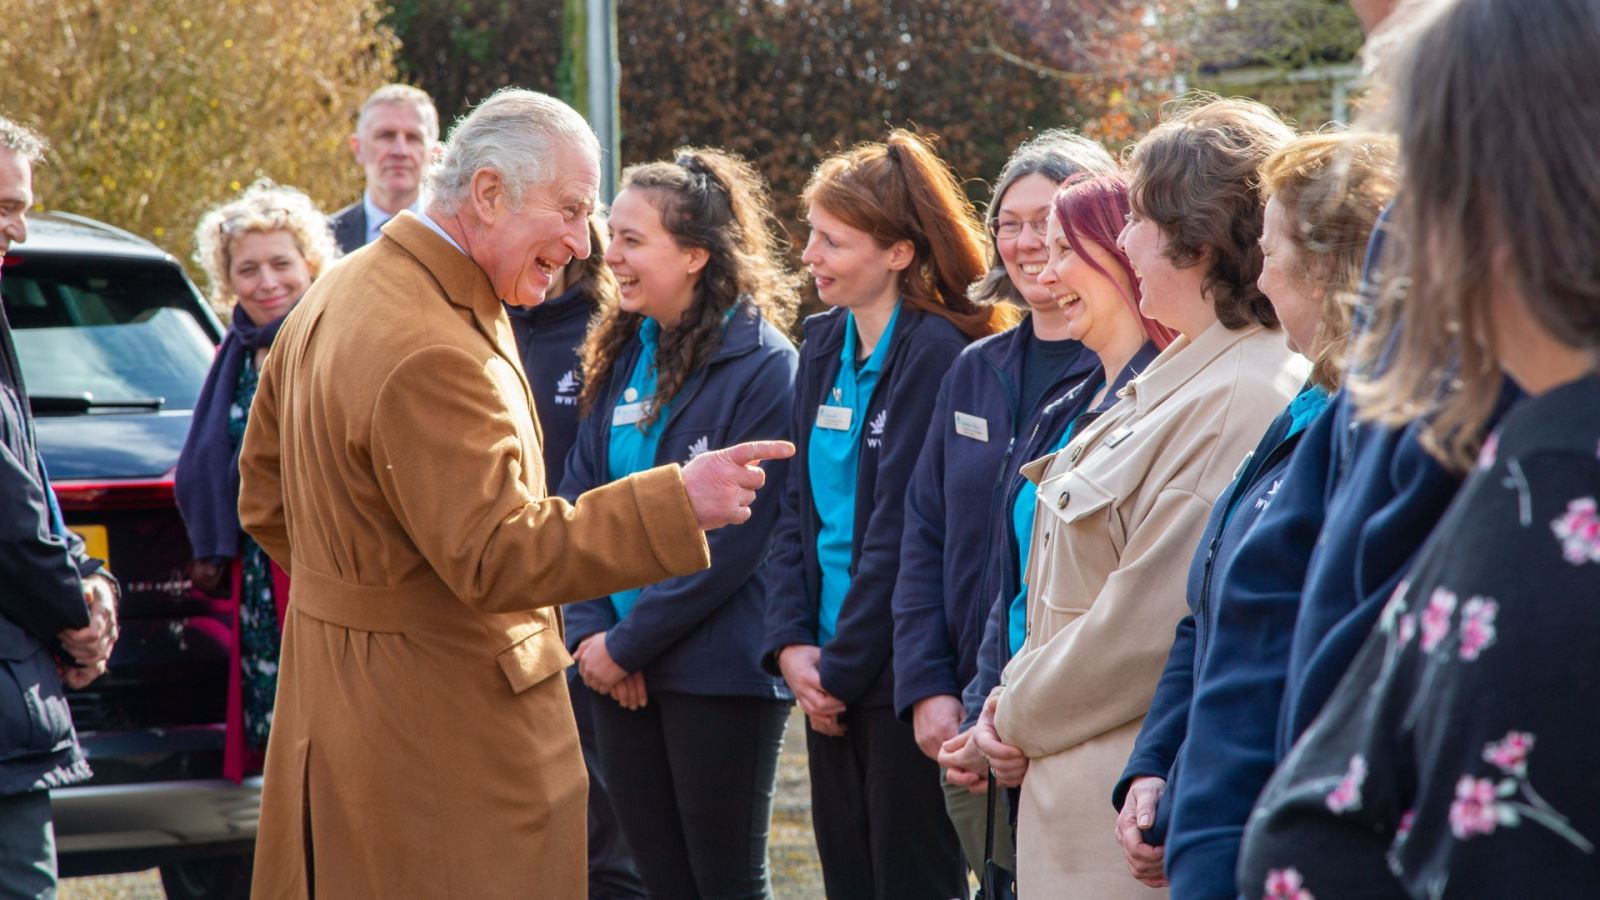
column 988, row 404
column 260, row 253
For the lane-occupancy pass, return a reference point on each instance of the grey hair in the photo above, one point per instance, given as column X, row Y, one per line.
column 515, row 133
column 22, row 140
column 1057, row 154
column 402, row 95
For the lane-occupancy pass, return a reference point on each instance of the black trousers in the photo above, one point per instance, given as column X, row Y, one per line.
column 27, row 846
column 878, row 811
column 612, row 875
column 692, row 780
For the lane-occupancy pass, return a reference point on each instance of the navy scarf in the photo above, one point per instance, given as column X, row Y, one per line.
column 208, row 468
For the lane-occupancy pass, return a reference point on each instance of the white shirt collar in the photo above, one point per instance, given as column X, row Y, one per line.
column 377, row 217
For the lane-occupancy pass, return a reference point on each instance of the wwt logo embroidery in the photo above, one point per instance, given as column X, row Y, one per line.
column 698, row 447
column 875, row 429
column 567, row 389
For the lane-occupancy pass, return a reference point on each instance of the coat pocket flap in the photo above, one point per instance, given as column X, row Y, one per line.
column 1071, row 497
column 533, row 659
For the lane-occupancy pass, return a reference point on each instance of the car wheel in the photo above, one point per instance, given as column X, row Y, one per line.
column 214, row 878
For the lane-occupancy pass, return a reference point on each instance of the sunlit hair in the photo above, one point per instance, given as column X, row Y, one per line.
column 1194, row 176
column 1332, row 187
column 515, row 133
column 402, row 95
column 22, row 140
column 1495, row 104
column 1092, row 209
column 719, row 203
column 1056, row 154
column 263, row 207
column 901, row 190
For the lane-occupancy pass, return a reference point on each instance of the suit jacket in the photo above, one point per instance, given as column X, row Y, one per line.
column 1120, row 512
column 422, row 744
column 350, row 226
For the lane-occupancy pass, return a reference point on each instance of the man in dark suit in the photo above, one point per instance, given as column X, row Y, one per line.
column 58, row 615
column 396, row 138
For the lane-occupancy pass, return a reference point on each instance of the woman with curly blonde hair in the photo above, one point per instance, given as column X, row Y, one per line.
column 260, row 253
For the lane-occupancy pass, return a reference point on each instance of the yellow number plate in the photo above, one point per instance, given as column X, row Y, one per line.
column 95, row 541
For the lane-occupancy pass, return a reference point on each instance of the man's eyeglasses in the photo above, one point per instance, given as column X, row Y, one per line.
column 1011, row 229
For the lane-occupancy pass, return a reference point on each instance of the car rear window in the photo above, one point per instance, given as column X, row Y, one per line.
column 117, row 329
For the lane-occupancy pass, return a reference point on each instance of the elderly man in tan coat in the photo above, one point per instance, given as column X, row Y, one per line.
column 423, row 745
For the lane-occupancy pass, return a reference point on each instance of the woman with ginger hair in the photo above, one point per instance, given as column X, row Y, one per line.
column 894, row 246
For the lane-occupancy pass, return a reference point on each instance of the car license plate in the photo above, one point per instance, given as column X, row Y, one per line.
column 95, row 542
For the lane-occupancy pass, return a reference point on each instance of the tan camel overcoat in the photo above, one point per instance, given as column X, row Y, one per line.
column 423, row 746
column 1120, row 512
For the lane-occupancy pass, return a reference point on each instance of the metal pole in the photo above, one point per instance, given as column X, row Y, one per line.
column 605, row 72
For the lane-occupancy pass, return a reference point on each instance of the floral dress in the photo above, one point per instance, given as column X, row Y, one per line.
column 258, row 614
column 1458, row 756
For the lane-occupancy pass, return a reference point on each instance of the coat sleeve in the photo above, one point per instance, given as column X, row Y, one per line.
column 1100, row 671
column 584, row 472
column 1229, row 752
column 864, row 639
column 44, row 588
column 260, row 470
column 791, row 616
column 447, row 456
column 670, row 609
column 1167, row 723
column 924, row 659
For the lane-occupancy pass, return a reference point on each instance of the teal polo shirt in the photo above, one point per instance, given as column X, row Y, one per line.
column 632, row 447
column 834, row 453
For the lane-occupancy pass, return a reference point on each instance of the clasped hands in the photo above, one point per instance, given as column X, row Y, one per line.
column 968, row 755
column 90, row 646
column 801, row 667
column 603, row 676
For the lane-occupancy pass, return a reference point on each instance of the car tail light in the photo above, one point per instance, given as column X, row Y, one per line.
column 141, row 493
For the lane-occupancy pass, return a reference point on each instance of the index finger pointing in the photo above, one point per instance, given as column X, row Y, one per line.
column 756, row 451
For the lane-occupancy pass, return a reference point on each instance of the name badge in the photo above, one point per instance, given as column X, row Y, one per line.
column 834, row 418
column 626, row 414
column 1118, row 436
column 975, row 427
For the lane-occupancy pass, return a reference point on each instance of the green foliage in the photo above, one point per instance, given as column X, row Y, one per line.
column 156, row 111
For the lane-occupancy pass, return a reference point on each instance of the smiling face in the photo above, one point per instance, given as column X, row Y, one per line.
column 1283, row 281
column 1171, row 295
column 850, row 268
column 521, row 250
column 392, row 145
column 268, row 273
column 1026, row 203
column 1093, row 305
column 655, row 276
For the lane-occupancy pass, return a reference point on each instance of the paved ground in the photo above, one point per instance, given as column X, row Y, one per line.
column 793, row 852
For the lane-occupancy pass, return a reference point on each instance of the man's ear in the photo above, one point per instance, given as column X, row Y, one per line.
column 901, row 253
column 488, row 195
column 355, row 146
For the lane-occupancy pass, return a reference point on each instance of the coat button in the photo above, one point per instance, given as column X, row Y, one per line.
column 1063, row 500
column 1076, row 452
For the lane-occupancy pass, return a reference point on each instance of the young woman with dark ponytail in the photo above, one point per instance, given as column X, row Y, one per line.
column 693, row 356
column 894, row 246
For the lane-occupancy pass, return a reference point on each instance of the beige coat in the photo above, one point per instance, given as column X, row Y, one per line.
column 423, row 746
column 1121, row 510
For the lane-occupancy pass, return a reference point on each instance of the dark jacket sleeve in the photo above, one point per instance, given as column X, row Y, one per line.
column 42, row 569
column 924, row 659
column 864, row 641
column 791, row 616
column 991, row 660
column 668, row 610
column 1230, row 750
column 584, row 472
column 1167, row 722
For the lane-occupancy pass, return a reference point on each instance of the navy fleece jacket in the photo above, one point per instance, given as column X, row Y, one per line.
column 951, row 511
column 548, row 337
column 700, row 633
column 856, row 665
